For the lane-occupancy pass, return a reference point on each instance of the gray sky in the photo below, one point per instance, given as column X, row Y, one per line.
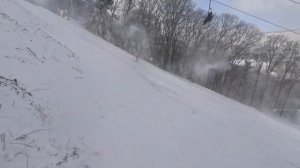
column 282, row 12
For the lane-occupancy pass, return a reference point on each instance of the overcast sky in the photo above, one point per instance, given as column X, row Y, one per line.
column 282, row 12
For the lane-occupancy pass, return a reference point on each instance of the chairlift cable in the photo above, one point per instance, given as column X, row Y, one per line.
column 296, row 2
column 259, row 18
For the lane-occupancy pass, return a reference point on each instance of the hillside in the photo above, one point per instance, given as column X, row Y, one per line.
column 290, row 35
column 69, row 99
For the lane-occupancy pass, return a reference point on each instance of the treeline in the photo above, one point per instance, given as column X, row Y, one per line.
column 227, row 55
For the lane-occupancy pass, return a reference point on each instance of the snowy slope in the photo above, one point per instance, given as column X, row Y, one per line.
column 290, row 35
column 79, row 101
column 293, row 36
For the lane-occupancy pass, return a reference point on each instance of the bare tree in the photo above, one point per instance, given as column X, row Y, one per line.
column 273, row 57
column 236, row 38
column 287, row 67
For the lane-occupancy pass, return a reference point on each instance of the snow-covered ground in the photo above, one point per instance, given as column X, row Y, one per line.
column 290, row 35
column 69, row 99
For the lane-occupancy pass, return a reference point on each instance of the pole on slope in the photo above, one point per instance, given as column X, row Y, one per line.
column 72, row 10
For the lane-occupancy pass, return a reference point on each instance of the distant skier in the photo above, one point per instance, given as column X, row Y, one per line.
column 208, row 17
column 66, row 15
column 63, row 13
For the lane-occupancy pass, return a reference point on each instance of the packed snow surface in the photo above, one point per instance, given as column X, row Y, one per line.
column 70, row 99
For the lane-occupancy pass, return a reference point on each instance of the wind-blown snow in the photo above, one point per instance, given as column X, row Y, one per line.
column 93, row 105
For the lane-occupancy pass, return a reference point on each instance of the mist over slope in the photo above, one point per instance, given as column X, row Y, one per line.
column 70, row 99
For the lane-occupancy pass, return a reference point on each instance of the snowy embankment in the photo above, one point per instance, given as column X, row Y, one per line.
column 70, row 99
column 290, row 35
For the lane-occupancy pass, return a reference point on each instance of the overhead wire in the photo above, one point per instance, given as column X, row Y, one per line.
column 209, row 4
column 259, row 18
column 296, row 2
